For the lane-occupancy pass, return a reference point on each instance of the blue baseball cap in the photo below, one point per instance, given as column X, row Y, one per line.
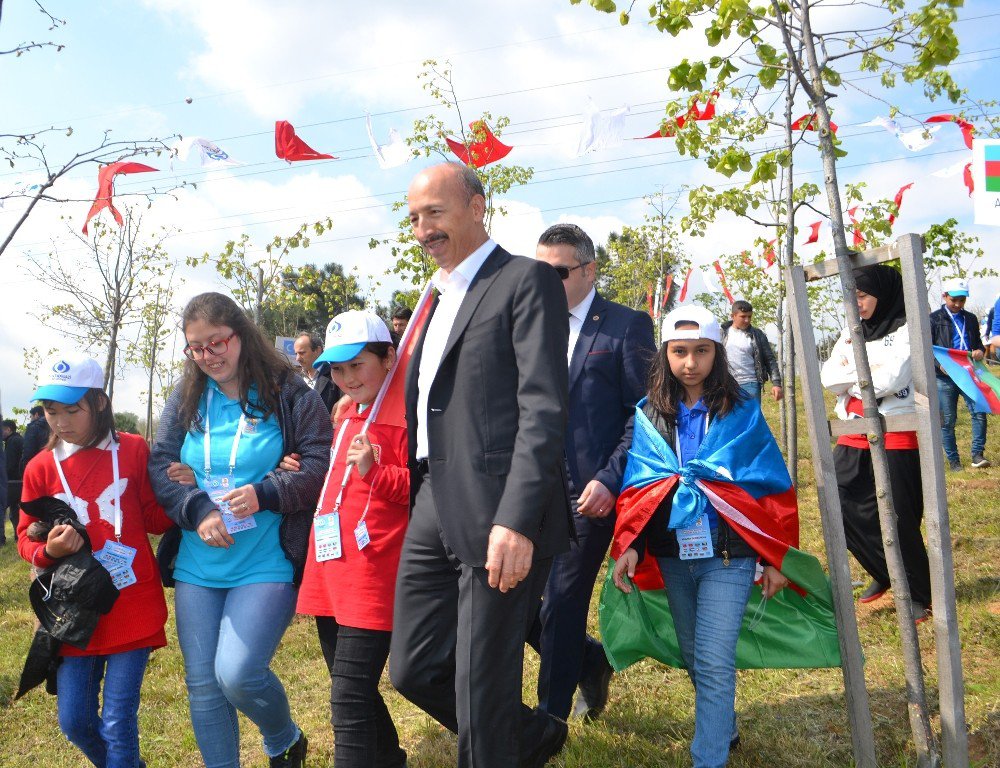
column 956, row 287
column 347, row 334
column 65, row 378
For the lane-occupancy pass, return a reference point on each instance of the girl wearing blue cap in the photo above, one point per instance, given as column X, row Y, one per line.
column 101, row 474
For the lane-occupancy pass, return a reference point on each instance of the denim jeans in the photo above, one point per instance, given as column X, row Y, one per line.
column 948, row 393
column 707, row 600
column 109, row 739
column 752, row 388
column 228, row 638
column 364, row 734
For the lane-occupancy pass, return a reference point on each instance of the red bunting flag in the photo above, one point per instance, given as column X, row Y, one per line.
column 810, row 123
column 814, row 232
column 480, row 153
column 746, row 258
column 965, row 125
column 668, row 283
column 684, row 288
column 859, row 240
column 722, row 279
column 290, row 147
column 898, row 201
column 649, row 298
column 967, row 178
column 769, row 255
column 693, row 113
column 106, row 189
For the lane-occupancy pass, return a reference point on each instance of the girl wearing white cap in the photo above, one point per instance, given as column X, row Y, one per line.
column 237, row 410
column 350, row 575
column 101, row 474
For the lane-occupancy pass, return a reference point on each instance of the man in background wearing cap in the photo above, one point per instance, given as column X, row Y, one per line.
column 954, row 328
column 610, row 350
column 308, row 348
column 751, row 360
column 486, row 404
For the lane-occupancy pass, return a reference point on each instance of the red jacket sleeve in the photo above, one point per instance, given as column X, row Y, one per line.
column 33, row 487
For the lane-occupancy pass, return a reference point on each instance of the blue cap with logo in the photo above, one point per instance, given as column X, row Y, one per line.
column 65, row 378
column 956, row 287
column 347, row 334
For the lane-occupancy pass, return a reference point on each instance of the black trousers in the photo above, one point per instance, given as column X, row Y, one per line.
column 458, row 645
column 364, row 734
column 559, row 632
column 856, row 483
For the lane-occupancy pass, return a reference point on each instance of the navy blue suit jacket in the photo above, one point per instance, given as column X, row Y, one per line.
column 607, row 377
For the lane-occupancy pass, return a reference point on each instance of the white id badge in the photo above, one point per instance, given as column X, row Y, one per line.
column 217, row 489
column 123, row 577
column 696, row 542
column 326, row 529
column 361, row 535
column 121, row 571
column 115, row 551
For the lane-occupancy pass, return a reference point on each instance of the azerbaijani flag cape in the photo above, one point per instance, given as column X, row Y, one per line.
column 972, row 377
column 740, row 471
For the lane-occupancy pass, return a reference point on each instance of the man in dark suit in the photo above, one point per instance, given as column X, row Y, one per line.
column 486, row 418
column 308, row 347
column 610, row 351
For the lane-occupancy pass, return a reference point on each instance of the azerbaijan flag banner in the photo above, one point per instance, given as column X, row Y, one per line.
column 972, row 377
column 739, row 471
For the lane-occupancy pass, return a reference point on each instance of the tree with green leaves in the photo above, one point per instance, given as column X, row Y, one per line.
column 428, row 140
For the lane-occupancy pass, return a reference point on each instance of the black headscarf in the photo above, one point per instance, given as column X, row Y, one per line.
column 886, row 285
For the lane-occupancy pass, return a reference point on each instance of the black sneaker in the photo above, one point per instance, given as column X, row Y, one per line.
column 979, row 461
column 294, row 756
column 955, row 466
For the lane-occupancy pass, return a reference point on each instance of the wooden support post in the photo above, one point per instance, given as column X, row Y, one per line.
column 852, row 659
column 951, row 687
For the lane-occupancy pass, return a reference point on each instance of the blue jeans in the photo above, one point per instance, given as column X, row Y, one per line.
column 752, row 388
column 948, row 393
column 228, row 638
column 707, row 600
column 109, row 739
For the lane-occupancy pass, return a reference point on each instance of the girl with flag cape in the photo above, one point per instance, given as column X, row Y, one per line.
column 706, row 493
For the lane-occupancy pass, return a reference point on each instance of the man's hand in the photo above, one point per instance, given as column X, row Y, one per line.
column 508, row 557
column 596, row 500
column 772, row 581
column 180, row 473
column 977, row 354
column 777, row 393
column 63, row 540
column 625, row 566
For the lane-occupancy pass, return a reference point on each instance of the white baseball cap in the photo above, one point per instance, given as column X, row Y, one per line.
column 956, row 286
column 65, row 378
column 708, row 326
column 347, row 334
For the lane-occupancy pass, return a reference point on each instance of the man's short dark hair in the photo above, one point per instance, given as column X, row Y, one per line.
column 470, row 180
column 10, row 424
column 402, row 313
column 37, row 411
column 742, row 306
column 570, row 234
column 315, row 340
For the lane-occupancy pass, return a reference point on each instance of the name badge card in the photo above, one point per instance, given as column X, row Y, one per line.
column 361, row 535
column 219, row 487
column 326, row 529
column 117, row 560
column 696, row 542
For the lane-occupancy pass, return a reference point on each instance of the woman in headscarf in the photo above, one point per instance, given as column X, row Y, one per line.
column 887, row 340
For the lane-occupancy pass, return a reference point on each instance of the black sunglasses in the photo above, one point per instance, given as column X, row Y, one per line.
column 563, row 272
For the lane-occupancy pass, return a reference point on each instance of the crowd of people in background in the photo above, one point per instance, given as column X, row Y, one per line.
column 443, row 544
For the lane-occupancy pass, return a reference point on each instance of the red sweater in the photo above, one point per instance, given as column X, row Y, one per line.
column 358, row 588
column 138, row 616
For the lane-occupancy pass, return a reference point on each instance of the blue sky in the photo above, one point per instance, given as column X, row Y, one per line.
column 129, row 67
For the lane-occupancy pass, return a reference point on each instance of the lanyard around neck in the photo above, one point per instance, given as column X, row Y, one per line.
column 960, row 329
column 208, row 438
column 115, row 475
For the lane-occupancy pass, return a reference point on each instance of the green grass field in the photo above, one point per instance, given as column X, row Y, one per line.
column 787, row 717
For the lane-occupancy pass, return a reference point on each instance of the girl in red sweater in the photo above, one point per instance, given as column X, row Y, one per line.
column 102, row 475
column 354, row 550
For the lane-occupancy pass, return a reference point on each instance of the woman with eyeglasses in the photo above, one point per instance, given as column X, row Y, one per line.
column 243, row 523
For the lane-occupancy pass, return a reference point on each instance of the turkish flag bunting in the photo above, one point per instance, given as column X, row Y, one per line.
column 106, row 188
column 898, row 200
column 684, row 288
column 965, row 125
column 814, row 232
column 810, row 123
column 480, row 153
column 290, row 147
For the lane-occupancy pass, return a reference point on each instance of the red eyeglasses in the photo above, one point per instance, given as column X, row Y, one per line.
column 213, row 348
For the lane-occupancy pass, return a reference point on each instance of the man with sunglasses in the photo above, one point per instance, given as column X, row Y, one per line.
column 610, row 351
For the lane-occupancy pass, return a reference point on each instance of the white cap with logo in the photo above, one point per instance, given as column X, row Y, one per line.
column 708, row 326
column 65, row 378
column 956, row 286
column 347, row 334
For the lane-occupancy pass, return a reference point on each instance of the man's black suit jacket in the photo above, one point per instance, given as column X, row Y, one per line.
column 497, row 411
